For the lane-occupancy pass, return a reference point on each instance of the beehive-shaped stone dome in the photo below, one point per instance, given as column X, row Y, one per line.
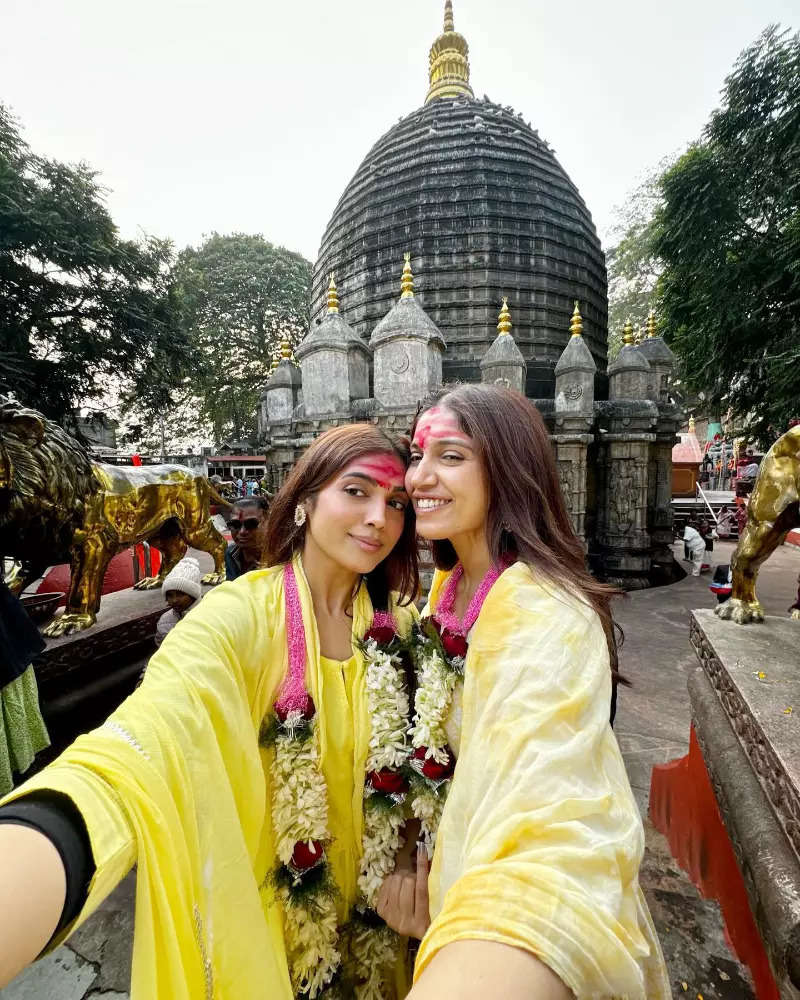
column 486, row 211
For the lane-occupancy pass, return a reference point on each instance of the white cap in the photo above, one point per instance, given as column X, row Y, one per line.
column 184, row 576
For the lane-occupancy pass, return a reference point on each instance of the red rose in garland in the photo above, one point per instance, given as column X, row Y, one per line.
column 454, row 644
column 431, row 768
column 306, row 855
column 388, row 782
column 308, row 712
column 382, row 634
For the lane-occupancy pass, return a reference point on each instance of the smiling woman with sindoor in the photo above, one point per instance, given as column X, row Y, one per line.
column 254, row 775
column 534, row 887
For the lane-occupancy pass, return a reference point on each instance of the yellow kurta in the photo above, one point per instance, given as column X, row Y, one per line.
column 540, row 840
column 176, row 782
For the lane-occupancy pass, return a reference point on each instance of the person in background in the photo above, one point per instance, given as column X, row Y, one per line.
column 246, row 524
column 794, row 610
column 181, row 589
column 22, row 730
column 695, row 544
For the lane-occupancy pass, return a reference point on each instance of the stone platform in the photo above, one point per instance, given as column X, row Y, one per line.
column 731, row 808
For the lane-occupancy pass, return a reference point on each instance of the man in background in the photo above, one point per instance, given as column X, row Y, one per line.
column 245, row 524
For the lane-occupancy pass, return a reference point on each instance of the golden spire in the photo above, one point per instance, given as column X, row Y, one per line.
column 274, row 364
column 333, row 297
column 652, row 325
column 504, row 326
column 286, row 349
column 449, row 62
column 691, row 424
column 576, row 323
column 627, row 334
column 408, row 279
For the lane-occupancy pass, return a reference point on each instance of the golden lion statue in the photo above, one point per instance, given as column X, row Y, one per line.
column 773, row 511
column 56, row 505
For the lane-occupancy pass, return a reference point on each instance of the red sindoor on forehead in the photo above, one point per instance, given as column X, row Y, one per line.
column 437, row 422
column 387, row 470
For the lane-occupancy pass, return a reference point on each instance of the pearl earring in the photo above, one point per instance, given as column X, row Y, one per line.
column 299, row 515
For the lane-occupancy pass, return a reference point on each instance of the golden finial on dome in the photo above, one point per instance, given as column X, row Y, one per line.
column 449, row 62
column 407, row 284
column 274, row 364
column 504, row 326
column 691, row 424
column 286, row 349
column 627, row 334
column 652, row 325
column 333, row 297
column 576, row 323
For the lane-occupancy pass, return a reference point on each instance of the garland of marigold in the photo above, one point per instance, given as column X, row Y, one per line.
column 302, row 881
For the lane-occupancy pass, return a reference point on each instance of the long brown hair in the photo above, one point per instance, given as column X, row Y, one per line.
column 325, row 458
column 527, row 517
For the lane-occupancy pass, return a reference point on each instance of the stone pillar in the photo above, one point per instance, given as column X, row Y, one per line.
column 662, row 364
column 628, row 432
column 503, row 363
column 574, row 406
column 407, row 348
column 334, row 362
column 283, row 388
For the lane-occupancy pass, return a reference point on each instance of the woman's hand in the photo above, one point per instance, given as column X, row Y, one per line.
column 403, row 898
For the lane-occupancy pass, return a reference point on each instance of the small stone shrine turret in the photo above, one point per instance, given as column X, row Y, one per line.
column 283, row 387
column 629, row 373
column 575, row 372
column 407, row 348
column 574, row 421
column 660, row 358
column 335, row 363
column 503, row 363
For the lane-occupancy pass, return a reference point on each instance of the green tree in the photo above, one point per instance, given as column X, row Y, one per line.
column 242, row 295
column 82, row 312
column 633, row 267
column 728, row 236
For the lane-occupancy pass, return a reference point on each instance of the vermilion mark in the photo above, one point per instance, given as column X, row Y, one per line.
column 438, row 422
column 387, row 470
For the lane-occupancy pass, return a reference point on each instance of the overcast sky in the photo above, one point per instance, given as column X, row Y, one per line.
column 253, row 115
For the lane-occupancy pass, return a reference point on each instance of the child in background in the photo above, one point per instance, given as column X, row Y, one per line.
column 181, row 589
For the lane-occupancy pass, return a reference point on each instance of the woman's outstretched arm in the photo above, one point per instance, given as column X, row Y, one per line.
column 32, row 892
column 473, row 970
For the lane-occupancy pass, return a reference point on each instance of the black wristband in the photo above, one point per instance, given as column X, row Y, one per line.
column 56, row 816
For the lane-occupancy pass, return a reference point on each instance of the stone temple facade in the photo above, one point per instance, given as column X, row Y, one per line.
column 487, row 221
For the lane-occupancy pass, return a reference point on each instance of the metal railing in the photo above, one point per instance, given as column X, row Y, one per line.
column 699, row 489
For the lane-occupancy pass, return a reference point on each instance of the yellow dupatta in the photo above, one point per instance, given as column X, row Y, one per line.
column 540, row 841
column 176, row 782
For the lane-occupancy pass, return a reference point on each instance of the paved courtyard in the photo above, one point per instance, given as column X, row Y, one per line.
column 652, row 727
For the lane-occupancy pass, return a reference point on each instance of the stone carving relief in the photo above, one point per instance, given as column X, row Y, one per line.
column 566, row 477
column 573, row 391
column 623, row 496
column 399, row 360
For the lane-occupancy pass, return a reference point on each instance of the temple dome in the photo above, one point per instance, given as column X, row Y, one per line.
column 487, row 211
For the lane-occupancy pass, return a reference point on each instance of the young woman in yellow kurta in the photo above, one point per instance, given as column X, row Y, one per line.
column 534, row 888
column 185, row 780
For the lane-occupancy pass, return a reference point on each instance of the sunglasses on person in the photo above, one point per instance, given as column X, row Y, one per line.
column 251, row 523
